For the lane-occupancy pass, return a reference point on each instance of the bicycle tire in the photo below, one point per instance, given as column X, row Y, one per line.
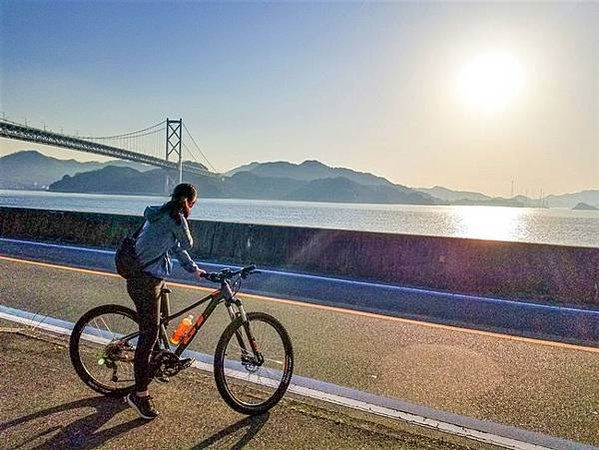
column 75, row 354
column 219, row 366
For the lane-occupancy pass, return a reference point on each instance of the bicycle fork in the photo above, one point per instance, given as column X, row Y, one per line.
column 236, row 309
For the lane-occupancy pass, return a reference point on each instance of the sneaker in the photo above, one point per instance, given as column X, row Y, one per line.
column 162, row 378
column 143, row 405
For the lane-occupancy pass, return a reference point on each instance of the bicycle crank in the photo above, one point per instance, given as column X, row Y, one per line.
column 169, row 364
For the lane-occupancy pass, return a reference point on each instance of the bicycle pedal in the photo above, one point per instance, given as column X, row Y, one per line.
column 185, row 363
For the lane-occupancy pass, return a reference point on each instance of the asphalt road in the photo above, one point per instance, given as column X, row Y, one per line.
column 56, row 411
column 519, row 318
column 536, row 385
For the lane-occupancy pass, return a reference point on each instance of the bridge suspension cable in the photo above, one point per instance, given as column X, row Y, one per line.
column 145, row 145
column 146, row 140
column 198, row 148
column 193, row 156
column 130, row 133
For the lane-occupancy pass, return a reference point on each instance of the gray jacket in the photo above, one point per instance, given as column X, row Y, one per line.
column 161, row 237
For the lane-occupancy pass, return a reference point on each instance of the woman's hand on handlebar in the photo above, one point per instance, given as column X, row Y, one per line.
column 226, row 274
column 199, row 274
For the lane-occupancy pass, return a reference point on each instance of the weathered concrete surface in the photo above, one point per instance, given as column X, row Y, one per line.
column 549, row 273
column 534, row 385
column 45, row 406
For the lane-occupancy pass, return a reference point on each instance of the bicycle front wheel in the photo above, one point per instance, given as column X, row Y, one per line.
column 253, row 382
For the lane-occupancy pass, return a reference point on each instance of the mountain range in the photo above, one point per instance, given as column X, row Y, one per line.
column 281, row 180
column 476, row 198
column 31, row 170
column 308, row 171
column 239, row 185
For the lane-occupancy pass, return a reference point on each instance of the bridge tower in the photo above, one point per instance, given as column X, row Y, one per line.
column 173, row 145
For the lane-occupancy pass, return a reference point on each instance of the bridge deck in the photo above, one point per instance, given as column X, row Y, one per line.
column 11, row 130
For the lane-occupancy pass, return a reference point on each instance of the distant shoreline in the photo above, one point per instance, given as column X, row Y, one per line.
column 166, row 195
column 310, row 181
column 146, row 194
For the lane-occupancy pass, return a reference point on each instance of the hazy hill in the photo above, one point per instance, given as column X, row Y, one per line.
column 248, row 185
column 475, row 198
column 308, row 171
column 452, row 196
column 590, row 197
column 124, row 180
column 110, row 180
column 495, row 201
column 343, row 190
column 308, row 181
column 585, row 207
column 241, row 185
column 31, row 169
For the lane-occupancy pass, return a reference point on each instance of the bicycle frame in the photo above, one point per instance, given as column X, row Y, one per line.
column 224, row 294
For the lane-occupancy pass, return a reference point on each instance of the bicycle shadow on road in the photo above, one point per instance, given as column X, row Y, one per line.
column 224, row 437
column 80, row 434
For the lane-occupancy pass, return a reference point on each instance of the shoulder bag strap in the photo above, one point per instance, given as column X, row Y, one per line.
column 136, row 234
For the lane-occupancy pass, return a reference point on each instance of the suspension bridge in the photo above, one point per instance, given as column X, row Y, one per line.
column 159, row 145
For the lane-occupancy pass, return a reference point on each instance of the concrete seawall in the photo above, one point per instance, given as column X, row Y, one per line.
column 538, row 272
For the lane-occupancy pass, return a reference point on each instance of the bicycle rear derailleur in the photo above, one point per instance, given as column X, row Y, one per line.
column 114, row 353
column 168, row 364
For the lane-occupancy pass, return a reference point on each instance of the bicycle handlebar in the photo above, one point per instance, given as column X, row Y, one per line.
column 219, row 277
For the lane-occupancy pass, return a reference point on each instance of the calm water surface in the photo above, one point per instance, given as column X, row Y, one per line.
column 552, row 226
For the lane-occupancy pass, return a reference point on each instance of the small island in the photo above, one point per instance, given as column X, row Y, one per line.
column 585, row 207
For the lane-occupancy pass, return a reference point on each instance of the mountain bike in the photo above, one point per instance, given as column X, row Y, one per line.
column 253, row 361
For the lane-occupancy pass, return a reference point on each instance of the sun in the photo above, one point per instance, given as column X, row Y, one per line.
column 490, row 82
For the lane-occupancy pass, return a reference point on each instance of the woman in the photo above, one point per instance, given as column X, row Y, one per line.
column 165, row 232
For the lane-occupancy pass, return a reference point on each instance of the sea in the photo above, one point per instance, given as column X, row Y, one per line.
column 549, row 226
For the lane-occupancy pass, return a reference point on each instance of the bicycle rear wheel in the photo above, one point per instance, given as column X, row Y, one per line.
column 102, row 348
column 253, row 383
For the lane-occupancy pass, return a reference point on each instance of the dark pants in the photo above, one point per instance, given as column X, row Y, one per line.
column 144, row 290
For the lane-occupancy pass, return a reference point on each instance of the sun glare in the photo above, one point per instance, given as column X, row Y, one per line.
column 490, row 82
column 489, row 222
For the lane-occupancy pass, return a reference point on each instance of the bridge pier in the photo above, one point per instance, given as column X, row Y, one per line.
column 169, row 184
column 173, row 142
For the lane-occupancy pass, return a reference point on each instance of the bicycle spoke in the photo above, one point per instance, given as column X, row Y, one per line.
column 109, row 353
column 250, row 382
column 107, row 327
column 276, row 361
column 237, row 347
column 97, row 327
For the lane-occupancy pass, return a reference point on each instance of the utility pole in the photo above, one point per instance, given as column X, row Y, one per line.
column 173, row 142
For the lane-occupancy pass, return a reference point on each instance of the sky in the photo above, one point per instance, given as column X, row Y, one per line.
column 470, row 96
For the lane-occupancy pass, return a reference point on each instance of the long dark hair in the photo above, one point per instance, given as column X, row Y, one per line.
column 176, row 205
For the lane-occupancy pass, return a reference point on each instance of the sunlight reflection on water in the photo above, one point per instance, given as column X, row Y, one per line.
column 484, row 222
